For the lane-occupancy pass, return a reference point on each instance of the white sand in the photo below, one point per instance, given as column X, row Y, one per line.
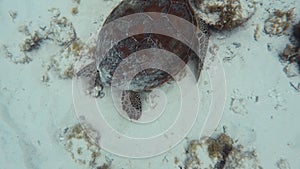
column 34, row 113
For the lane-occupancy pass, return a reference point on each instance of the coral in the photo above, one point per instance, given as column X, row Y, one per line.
column 226, row 14
column 279, row 22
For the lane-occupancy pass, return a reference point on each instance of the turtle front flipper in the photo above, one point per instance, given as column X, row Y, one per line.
column 132, row 104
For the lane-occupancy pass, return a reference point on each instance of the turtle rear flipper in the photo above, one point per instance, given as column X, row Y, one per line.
column 195, row 64
column 196, row 58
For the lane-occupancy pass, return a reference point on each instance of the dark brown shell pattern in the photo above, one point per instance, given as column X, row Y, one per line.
column 149, row 78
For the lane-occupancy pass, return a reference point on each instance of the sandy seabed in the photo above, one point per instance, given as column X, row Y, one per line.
column 262, row 110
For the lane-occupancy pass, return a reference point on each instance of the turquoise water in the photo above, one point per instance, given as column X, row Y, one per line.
column 48, row 118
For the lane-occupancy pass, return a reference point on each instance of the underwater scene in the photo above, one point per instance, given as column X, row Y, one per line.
column 149, row 84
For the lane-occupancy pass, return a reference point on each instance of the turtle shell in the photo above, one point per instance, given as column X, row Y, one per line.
column 151, row 77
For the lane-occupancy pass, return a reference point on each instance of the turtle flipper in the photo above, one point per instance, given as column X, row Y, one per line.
column 132, row 104
column 196, row 59
column 195, row 64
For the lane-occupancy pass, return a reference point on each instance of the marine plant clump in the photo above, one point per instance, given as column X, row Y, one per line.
column 279, row 22
column 222, row 152
column 82, row 142
column 225, row 15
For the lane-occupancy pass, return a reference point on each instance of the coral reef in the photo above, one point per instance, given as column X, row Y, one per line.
column 226, row 14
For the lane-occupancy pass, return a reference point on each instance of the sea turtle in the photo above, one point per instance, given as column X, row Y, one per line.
column 102, row 70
